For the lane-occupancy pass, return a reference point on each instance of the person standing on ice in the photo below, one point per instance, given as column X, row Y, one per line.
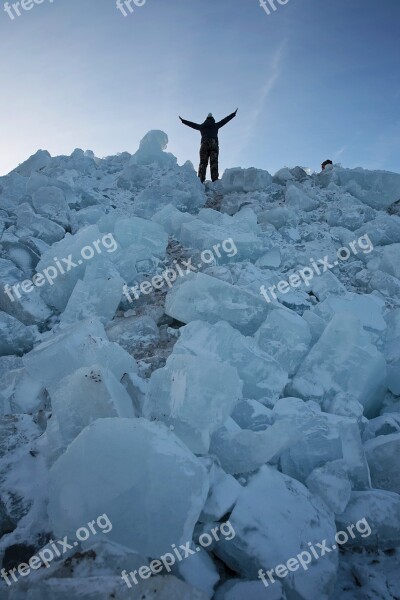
column 209, row 148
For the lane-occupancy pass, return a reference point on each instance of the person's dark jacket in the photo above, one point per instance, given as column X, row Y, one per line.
column 209, row 129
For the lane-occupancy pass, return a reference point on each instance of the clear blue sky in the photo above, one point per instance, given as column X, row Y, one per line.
column 314, row 80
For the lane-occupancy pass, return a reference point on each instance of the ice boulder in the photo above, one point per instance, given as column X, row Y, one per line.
column 261, row 374
column 325, row 438
column 200, row 571
column 28, row 307
column 325, row 285
column 251, row 414
column 238, row 589
column 279, row 216
column 392, row 350
column 382, row 230
column 193, row 396
column 343, row 360
column 331, row 483
column 101, row 587
column 222, row 239
column 141, row 232
column 152, row 150
column 244, row 221
column 382, row 454
column 201, row 297
column 50, row 202
column 283, row 176
column 86, row 216
column 275, row 518
column 36, row 162
column 179, row 186
column 223, row 494
column 286, row 337
column 40, row 227
column 79, row 399
column 390, row 260
column 70, row 254
column 367, row 308
column 122, row 468
column 378, row 189
column 15, row 337
column 133, row 332
column 172, row 219
column 377, row 514
column 98, row 298
column 244, row 450
column 299, row 200
column 82, row 344
column 245, row 180
column 349, row 212
column 386, row 424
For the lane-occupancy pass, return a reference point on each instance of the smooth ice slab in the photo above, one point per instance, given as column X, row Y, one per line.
column 28, row 308
column 285, row 336
column 194, row 396
column 383, row 459
column 245, row 180
column 212, row 238
column 39, row 227
column 299, row 200
column 101, row 587
column 392, row 350
column 141, row 232
column 367, row 308
column 378, row 189
column 201, row 297
column 172, row 219
column 325, row 438
column 57, row 293
column 83, row 344
column 15, row 337
column 331, row 483
column 236, row 589
column 50, row 202
column 79, row 399
column 343, row 361
column 148, row 483
column 261, row 374
column 223, row 494
column 98, row 298
column 244, row 450
column 274, row 519
column 380, row 513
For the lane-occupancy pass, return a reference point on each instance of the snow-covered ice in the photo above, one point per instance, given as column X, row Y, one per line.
column 199, row 401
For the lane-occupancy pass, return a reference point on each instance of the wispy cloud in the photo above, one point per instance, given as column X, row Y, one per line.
column 252, row 120
column 339, row 152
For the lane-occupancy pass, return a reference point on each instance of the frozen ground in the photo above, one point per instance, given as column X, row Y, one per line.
column 174, row 356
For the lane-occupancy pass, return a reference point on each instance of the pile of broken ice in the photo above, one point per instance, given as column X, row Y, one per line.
column 281, row 416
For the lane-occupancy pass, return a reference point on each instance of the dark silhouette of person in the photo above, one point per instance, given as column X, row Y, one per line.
column 325, row 164
column 209, row 148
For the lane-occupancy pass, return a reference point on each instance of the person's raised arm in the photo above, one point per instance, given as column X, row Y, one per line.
column 226, row 120
column 190, row 124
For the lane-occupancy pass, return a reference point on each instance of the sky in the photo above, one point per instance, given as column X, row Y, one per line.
column 312, row 80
